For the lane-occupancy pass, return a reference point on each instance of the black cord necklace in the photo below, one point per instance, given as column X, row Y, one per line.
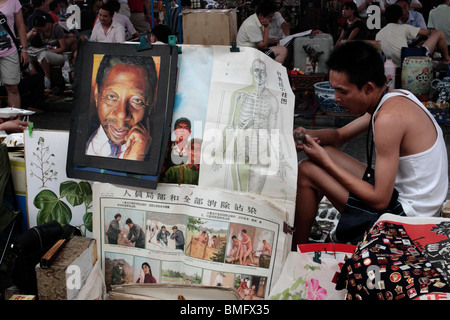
column 369, row 153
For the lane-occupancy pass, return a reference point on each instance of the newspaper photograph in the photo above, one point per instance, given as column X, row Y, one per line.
column 181, row 234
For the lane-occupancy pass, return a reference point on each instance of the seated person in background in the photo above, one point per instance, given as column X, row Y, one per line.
column 40, row 8
column 254, row 32
column 51, row 35
column 107, row 29
column 414, row 4
column 353, row 28
column 160, row 34
column 62, row 9
column 279, row 28
column 409, row 16
column 54, row 10
column 123, row 20
column 439, row 18
column 394, row 36
column 405, row 136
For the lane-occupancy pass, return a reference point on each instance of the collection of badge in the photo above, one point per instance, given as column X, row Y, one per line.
column 386, row 265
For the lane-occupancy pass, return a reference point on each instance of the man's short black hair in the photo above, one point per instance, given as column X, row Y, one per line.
column 108, row 7
column 360, row 60
column 407, row 1
column 266, row 7
column 393, row 13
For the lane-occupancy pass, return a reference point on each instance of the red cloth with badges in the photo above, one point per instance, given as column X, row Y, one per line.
column 388, row 265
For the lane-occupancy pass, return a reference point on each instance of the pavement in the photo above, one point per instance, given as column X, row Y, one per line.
column 57, row 116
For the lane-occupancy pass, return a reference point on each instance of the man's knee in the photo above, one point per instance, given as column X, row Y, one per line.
column 280, row 52
column 304, row 168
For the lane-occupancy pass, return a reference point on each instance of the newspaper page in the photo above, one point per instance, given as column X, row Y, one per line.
column 181, row 234
column 247, row 142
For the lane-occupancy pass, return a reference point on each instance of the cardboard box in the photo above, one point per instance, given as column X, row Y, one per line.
column 209, row 26
column 68, row 274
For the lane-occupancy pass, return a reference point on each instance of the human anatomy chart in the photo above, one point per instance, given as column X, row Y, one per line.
column 247, row 141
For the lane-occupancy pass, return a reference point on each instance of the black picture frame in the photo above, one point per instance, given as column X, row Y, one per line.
column 141, row 173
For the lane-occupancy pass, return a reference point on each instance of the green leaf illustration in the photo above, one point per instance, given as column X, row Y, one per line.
column 73, row 192
column 87, row 219
column 51, row 208
column 297, row 296
column 298, row 282
column 86, row 187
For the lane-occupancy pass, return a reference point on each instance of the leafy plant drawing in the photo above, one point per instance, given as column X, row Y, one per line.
column 303, row 288
column 42, row 167
column 51, row 207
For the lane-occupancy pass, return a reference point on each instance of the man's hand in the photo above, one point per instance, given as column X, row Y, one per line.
column 300, row 136
column 265, row 22
column 315, row 151
column 138, row 143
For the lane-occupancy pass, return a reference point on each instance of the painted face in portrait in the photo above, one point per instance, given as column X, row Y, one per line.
column 122, row 101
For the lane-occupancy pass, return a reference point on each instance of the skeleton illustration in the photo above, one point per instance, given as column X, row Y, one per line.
column 253, row 114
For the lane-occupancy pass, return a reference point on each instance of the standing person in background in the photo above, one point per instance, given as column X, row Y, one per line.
column 9, row 58
column 124, row 8
column 140, row 15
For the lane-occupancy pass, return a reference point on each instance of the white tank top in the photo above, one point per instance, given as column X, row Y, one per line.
column 422, row 178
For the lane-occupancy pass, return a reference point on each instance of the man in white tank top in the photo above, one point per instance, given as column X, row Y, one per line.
column 410, row 176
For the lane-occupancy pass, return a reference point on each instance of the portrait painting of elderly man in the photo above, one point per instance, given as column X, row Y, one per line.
column 124, row 94
column 123, row 101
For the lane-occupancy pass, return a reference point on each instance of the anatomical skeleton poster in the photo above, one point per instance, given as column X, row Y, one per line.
column 247, row 141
